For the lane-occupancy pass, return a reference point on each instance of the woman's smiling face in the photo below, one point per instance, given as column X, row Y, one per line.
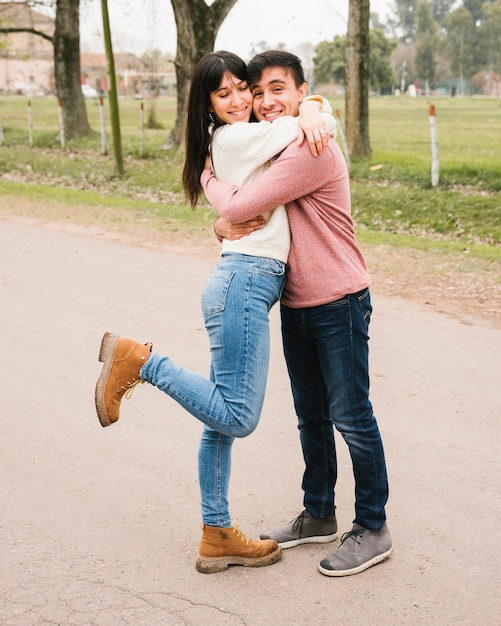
column 232, row 101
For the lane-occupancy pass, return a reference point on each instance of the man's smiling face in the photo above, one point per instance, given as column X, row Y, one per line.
column 276, row 94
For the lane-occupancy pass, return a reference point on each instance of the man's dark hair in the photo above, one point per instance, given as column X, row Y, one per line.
column 275, row 58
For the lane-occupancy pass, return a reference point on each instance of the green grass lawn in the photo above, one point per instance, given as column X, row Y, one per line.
column 393, row 202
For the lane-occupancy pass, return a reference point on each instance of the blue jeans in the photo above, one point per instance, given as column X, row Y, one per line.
column 326, row 349
column 236, row 301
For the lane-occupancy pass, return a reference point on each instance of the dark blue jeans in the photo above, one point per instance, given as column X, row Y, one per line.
column 326, row 349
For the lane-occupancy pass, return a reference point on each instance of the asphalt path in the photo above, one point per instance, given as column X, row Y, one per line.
column 101, row 526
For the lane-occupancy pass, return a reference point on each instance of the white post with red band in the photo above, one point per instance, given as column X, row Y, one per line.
column 435, row 162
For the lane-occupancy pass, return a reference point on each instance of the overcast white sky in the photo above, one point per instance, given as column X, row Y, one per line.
column 143, row 25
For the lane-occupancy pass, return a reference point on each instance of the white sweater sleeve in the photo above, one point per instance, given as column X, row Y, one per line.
column 239, row 149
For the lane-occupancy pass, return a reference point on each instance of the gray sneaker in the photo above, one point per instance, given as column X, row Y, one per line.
column 359, row 549
column 304, row 529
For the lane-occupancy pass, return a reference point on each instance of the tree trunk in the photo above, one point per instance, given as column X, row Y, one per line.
column 67, row 68
column 197, row 26
column 357, row 79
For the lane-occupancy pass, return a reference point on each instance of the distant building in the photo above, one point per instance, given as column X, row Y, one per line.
column 24, row 45
column 134, row 78
column 26, row 59
column 128, row 70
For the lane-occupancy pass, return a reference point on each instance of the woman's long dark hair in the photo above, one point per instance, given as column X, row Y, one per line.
column 206, row 78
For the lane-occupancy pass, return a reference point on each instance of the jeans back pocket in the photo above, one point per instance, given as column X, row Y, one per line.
column 216, row 289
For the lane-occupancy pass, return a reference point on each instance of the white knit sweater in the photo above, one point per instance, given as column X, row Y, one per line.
column 239, row 153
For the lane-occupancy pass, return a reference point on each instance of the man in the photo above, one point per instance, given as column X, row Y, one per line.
column 325, row 311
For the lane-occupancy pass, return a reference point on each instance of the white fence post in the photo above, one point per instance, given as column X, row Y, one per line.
column 30, row 125
column 141, row 128
column 104, row 147
column 435, row 162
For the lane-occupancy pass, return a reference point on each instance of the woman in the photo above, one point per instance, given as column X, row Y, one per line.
column 235, row 302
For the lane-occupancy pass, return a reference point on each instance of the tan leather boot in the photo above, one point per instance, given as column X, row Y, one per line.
column 122, row 358
column 221, row 547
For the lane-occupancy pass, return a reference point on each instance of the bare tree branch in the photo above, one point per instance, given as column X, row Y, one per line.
column 33, row 31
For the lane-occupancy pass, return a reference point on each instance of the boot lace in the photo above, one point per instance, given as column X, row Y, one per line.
column 129, row 390
column 355, row 534
column 130, row 386
column 236, row 529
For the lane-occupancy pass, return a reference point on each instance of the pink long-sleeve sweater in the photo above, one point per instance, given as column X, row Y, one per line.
column 325, row 262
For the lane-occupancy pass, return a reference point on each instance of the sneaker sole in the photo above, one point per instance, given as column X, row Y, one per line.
column 297, row 542
column 355, row 570
column 106, row 355
column 220, row 564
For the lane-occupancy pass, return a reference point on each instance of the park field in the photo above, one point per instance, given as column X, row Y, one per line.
column 392, row 197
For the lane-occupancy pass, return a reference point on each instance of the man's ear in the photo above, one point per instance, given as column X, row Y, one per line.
column 303, row 90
